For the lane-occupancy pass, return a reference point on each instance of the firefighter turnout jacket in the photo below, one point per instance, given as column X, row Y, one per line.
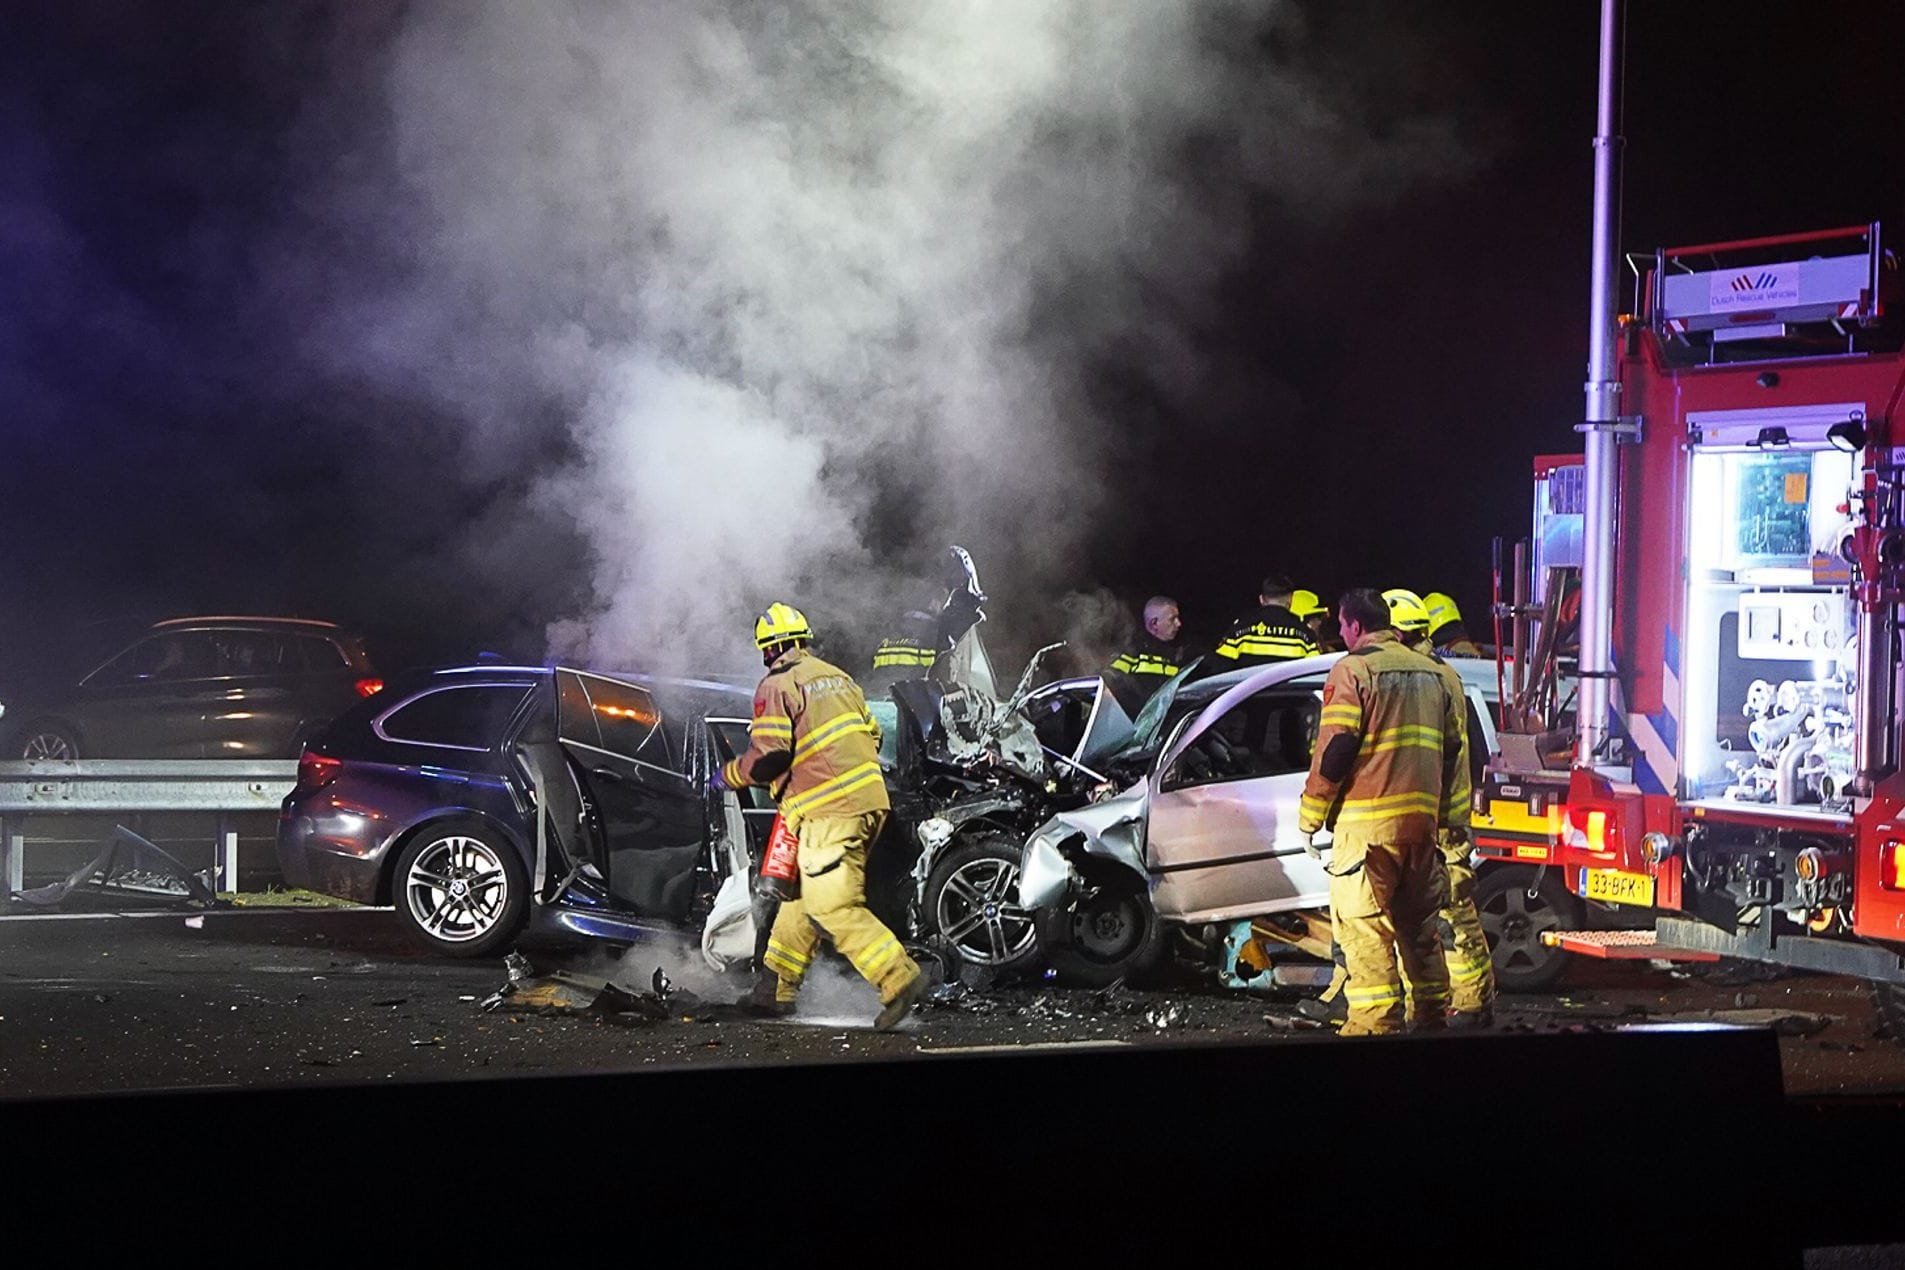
column 813, row 741
column 1455, row 794
column 1271, row 634
column 1389, row 746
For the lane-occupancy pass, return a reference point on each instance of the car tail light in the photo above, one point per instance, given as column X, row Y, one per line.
column 315, row 771
column 369, row 687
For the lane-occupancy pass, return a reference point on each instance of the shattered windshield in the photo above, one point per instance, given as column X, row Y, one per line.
column 1148, row 729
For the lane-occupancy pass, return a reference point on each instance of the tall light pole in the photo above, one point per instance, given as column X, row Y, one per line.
column 1603, row 427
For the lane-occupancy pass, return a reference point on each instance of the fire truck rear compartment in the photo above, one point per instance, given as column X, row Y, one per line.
column 1770, row 651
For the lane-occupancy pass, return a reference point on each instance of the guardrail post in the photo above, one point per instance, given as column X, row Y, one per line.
column 12, row 857
column 227, row 858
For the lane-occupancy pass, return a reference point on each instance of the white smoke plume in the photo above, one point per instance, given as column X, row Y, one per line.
column 814, row 289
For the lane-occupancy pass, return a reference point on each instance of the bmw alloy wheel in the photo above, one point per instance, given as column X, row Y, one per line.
column 49, row 746
column 456, row 889
column 977, row 914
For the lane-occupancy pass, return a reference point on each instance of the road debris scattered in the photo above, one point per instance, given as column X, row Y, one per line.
column 127, row 869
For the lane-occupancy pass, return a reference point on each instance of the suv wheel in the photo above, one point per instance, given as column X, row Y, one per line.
column 46, row 741
column 461, row 889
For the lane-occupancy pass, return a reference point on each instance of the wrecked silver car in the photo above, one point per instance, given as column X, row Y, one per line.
column 1204, row 832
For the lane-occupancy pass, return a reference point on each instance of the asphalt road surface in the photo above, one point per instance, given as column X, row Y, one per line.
column 244, row 998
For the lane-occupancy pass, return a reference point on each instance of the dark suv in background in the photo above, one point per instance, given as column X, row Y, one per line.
column 201, row 687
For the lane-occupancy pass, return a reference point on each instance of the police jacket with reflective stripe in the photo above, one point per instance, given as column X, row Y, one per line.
column 813, row 735
column 1149, row 656
column 1388, row 746
column 1271, row 634
column 904, row 651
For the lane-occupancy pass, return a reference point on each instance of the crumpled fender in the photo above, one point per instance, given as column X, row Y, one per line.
column 1111, row 830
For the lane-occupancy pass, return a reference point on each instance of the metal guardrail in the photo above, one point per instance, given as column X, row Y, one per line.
column 223, row 787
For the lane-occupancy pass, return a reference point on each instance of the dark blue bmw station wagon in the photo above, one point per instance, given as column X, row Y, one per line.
column 431, row 797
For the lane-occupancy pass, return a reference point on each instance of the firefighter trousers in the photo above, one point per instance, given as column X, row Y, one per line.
column 832, row 858
column 1384, row 897
column 1464, row 946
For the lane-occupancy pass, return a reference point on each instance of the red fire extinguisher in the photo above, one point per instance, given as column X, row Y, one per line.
column 780, row 870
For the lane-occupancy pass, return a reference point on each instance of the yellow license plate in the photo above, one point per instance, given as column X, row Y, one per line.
column 1619, row 888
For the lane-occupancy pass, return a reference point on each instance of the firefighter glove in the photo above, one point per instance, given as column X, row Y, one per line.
column 1311, row 847
column 718, row 783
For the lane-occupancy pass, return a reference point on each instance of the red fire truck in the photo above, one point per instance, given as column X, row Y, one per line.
column 1724, row 777
column 1745, row 794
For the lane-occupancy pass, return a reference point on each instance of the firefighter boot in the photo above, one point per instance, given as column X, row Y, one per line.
column 764, row 998
column 1472, row 1020
column 895, row 1011
column 1332, row 1007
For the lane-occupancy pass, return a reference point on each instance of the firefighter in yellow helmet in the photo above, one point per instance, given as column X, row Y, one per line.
column 1471, row 970
column 813, row 741
column 1446, row 630
column 1388, row 747
column 1313, row 613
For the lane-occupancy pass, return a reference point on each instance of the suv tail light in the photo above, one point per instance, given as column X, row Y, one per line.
column 369, row 687
column 315, row 771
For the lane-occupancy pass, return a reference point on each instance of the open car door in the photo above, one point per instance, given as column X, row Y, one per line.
column 1222, row 839
column 650, row 819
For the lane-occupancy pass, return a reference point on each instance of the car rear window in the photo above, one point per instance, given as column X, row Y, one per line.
column 320, row 654
column 466, row 717
column 255, row 653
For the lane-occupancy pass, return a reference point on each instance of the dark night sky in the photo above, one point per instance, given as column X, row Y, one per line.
column 1371, row 393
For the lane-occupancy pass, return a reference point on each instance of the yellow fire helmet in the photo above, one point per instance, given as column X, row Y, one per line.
column 781, row 624
column 1307, row 604
column 1442, row 610
column 1407, row 612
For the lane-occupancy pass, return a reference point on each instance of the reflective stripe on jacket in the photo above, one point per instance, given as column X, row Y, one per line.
column 813, row 733
column 1145, row 664
column 903, row 651
column 1388, row 745
column 1272, row 634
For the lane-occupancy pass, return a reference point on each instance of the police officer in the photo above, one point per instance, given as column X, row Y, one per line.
column 1134, row 675
column 909, row 651
column 1387, row 748
column 814, row 741
column 1273, row 632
